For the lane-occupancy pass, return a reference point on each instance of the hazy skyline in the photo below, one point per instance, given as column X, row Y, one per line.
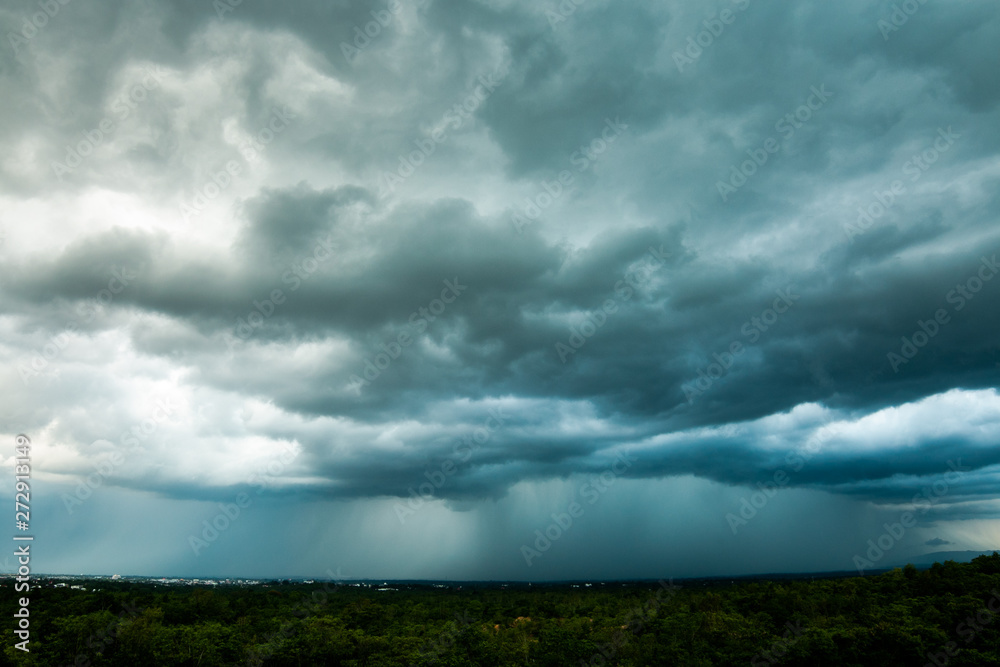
column 498, row 289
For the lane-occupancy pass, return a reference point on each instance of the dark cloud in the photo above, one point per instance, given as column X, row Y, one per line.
column 720, row 311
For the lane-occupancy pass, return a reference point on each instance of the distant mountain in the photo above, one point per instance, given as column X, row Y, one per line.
column 926, row 560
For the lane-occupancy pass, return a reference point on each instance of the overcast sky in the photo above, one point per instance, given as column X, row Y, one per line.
column 688, row 288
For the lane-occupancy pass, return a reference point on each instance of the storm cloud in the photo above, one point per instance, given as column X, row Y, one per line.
column 420, row 274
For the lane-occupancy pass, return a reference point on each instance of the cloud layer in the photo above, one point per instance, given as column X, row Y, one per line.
column 459, row 256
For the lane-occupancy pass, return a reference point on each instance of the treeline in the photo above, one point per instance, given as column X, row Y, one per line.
column 947, row 615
